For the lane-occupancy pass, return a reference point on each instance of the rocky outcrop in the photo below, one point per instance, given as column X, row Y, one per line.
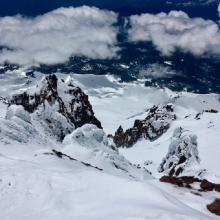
column 209, row 186
column 55, row 108
column 187, row 181
column 211, row 111
column 214, row 207
column 61, row 155
column 153, row 126
column 77, row 109
column 183, row 181
column 182, row 153
column 191, row 183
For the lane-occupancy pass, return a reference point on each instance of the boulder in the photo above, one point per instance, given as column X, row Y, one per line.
column 214, row 207
column 183, row 181
column 209, row 186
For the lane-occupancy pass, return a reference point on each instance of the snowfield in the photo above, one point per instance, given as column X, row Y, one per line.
column 93, row 181
column 37, row 186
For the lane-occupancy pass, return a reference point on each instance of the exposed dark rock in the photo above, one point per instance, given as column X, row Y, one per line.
column 172, row 180
column 211, row 111
column 62, row 155
column 198, row 116
column 182, row 153
column 152, row 127
column 196, row 193
column 214, row 207
column 60, row 98
column 217, row 187
column 205, row 185
column 187, row 181
column 209, row 186
column 119, row 137
column 183, row 181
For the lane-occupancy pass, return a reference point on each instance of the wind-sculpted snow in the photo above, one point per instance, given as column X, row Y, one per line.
column 182, row 155
column 38, row 186
column 90, row 144
column 17, row 127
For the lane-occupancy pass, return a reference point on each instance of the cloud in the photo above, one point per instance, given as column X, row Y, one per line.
column 156, row 70
column 54, row 37
column 176, row 30
column 219, row 10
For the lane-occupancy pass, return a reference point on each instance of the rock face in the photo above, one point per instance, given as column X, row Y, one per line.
column 153, row 126
column 214, row 207
column 183, row 181
column 76, row 108
column 209, row 186
column 55, row 108
column 186, row 181
column 182, row 153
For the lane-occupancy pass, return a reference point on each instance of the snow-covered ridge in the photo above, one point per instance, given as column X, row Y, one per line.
column 52, row 108
column 57, row 112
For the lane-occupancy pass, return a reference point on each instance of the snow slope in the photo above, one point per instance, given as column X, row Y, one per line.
column 37, row 184
column 128, row 102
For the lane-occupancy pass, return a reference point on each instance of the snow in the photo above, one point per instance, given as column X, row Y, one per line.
column 130, row 102
column 36, row 184
column 91, row 145
column 183, row 155
column 17, row 111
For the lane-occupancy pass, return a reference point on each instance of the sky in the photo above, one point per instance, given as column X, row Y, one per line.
column 203, row 8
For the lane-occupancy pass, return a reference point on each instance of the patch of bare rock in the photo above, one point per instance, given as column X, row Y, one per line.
column 214, row 207
column 205, row 186
column 152, row 127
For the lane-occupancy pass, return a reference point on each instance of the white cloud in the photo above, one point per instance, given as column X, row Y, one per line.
column 55, row 36
column 176, row 30
column 219, row 10
column 156, row 70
